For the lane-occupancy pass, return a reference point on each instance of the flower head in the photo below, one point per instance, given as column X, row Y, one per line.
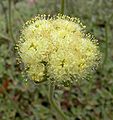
column 57, row 48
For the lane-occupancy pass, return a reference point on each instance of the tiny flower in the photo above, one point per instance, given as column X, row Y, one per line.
column 57, row 48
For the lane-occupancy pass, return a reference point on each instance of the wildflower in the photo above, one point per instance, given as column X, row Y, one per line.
column 58, row 48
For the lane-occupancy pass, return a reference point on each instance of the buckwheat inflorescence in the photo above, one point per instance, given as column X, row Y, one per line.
column 57, row 48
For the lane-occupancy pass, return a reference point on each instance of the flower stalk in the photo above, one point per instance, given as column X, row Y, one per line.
column 62, row 7
column 61, row 115
column 10, row 31
column 107, row 39
column 9, row 21
column 106, row 43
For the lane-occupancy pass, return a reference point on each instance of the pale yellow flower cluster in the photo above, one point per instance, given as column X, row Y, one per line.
column 57, row 47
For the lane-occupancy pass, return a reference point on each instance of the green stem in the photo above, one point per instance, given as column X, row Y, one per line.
column 5, row 15
column 54, row 105
column 10, row 30
column 106, row 43
column 5, row 38
column 106, row 39
column 62, row 7
column 9, row 22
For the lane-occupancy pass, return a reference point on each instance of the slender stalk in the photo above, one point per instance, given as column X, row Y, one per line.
column 11, row 46
column 5, row 15
column 5, row 37
column 54, row 105
column 106, row 39
column 55, row 5
column 106, row 43
column 62, row 7
column 10, row 21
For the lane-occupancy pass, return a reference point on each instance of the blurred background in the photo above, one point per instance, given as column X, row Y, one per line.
column 90, row 99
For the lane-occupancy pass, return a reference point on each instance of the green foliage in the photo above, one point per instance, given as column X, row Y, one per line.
column 91, row 99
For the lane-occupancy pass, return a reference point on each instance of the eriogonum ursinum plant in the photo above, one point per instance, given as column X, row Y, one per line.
column 57, row 48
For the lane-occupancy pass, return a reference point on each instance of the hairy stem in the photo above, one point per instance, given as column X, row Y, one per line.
column 54, row 105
